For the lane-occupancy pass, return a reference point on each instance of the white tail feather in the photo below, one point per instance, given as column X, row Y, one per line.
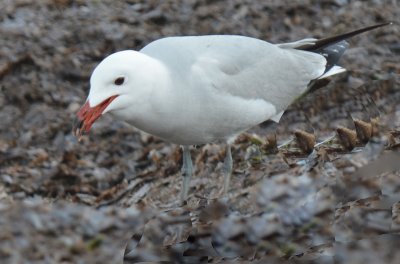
column 334, row 70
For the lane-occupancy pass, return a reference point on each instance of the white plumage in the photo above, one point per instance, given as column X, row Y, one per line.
column 210, row 88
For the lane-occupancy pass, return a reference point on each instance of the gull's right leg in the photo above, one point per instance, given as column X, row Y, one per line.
column 227, row 169
column 187, row 171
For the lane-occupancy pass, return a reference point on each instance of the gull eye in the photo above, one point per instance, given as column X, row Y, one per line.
column 119, row 81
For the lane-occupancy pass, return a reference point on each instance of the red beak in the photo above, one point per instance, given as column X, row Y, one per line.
column 87, row 115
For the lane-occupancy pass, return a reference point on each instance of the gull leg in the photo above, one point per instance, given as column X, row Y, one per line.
column 187, row 171
column 227, row 168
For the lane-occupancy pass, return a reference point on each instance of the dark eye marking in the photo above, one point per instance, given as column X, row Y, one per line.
column 119, row 81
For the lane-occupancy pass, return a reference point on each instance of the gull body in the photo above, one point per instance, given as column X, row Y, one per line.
column 207, row 89
column 196, row 90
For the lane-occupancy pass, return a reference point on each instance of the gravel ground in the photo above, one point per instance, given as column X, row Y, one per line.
column 329, row 194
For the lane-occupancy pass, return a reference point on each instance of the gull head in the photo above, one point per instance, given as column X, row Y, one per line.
column 114, row 85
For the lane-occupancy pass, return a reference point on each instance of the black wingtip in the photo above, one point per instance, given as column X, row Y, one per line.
column 325, row 42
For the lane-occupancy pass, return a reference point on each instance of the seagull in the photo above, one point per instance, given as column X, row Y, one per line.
column 193, row 90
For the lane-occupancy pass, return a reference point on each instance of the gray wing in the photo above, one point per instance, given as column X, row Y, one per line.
column 241, row 66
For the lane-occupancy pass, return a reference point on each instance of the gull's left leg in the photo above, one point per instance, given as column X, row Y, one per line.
column 227, row 168
column 187, row 171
